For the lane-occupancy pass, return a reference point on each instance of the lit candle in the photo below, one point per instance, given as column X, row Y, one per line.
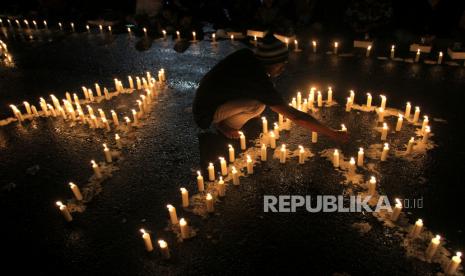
column 440, row 58
column 101, row 28
column 343, row 127
column 232, row 156
column 131, row 82
column 107, row 153
column 301, row 155
column 96, row 169
column 147, row 240
column 134, row 116
column 75, row 190
column 348, row 105
column 272, row 140
column 299, row 99
column 28, row 108
column 426, row 135
column 115, row 118
column 320, row 99
column 330, row 95
column 311, row 97
column 164, row 250
column 417, row 228
column 221, row 187
column 128, row 123
column 88, row 29
column 200, row 183
column 173, row 215
column 424, row 123
column 385, row 152
column 64, row 211
column 60, row 26
column 164, row 34
column 384, row 132
column 209, row 203
column 145, row 31
column 194, row 36
column 408, row 107
column 432, row 247
column 242, row 140
column 393, row 50
column 416, row 116
column 352, row 96
column 383, row 101
column 380, row 114
column 211, row 172
column 118, row 141
column 397, row 210
column 224, row 168
column 276, row 130
column 294, row 103
column 417, row 56
column 454, row 264
column 45, row 24
column 336, row 158
column 360, row 157
column 264, row 125
column 17, row 113
column 335, row 47
column 314, row 136
column 399, row 122
column 249, row 165
column 178, row 35
column 286, row 40
column 368, row 51
column 283, row 153
column 314, row 46
column 296, row 44
column 352, row 166
column 185, row 197
column 410, row 145
column 232, row 38
column 235, row 176
column 184, row 228
column 372, row 186
column 369, row 99
column 72, row 26
column 263, row 152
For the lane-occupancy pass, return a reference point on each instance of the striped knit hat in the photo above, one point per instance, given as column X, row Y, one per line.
column 271, row 50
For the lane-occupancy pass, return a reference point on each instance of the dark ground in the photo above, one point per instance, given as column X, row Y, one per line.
column 239, row 238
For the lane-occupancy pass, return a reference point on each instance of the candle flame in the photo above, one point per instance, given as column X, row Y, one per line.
column 182, row 222
column 373, row 179
column 170, row 207
column 199, row 174
column 71, row 184
column 314, row 43
column 360, row 150
column 352, row 161
column 386, row 146
column 162, row 244
column 59, row 203
column 385, row 126
column 209, row 196
column 142, row 231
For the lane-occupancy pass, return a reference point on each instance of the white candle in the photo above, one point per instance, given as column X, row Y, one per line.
column 348, row 104
column 209, row 203
column 301, row 155
column 352, row 166
column 343, row 127
column 397, row 210
column 164, row 250
column 311, row 97
column 372, row 186
column 417, row 228
column 145, row 31
column 211, row 172
column 432, row 247
column 224, row 168
column 264, row 125
column 384, row 132
column 294, row 103
column 242, row 140
column 263, row 152
column 115, row 118
column 76, row 192
column 28, row 108
column 380, row 114
column 249, row 165
column 282, row 154
column 221, row 187
column 314, row 46
column 107, row 153
column 276, row 130
column 164, row 34
column 286, row 40
column 319, row 99
column 131, row 82
column 408, row 107
column 185, row 197
column 426, row 135
column 299, row 99
column 64, row 211
column 235, row 176
column 368, row 51
column 272, row 140
column 416, row 116
column 454, row 264
column 383, row 102
column 147, row 240
column 232, row 156
column 393, row 50
column 314, row 136
column 369, row 99
column 410, row 145
column 352, row 96
column 336, row 158
column 440, row 58
column 134, row 117
column 118, row 141
column 184, row 228
column 232, row 38
column 424, row 123
column 296, row 44
column 335, row 47
column 417, row 56
column 330, row 95
column 213, row 38
column 360, row 157
column 399, row 122
column 200, row 183
column 173, row 215
column 385, row 152
column 194, row 36
column 96, row 169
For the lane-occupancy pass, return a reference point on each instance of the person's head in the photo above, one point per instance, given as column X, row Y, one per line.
column 273, row 54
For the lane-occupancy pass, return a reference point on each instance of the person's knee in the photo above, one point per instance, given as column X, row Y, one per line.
column 255, row 107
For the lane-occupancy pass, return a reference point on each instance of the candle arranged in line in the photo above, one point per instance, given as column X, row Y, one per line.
column 416, row 115
column 372, row 186
column 352, row 166
column 319, row 99
column 368, row 51
column 235, row 176
column 184, row 197
column 384, row 132
column 417, row 228
column 264, row 125
column 232, row 156
column 408, row 108
column 336, row 158
column 64, row 211
column 440, row 58
column 263, row 153
column 76, row 192
column 433, row 247
column 352, row 96
column 417, row 56
column 282, row 154
column 399, row 122
column 224, row 168
column 173, row 215
column 424, row 124
column 211, row 172
column 369, row 100
column 301, row 155
column 209, row 203
column 249, row 165
column 107, row 153
column 454, row 264
column 330, row 95
column 343, row 127
column 296, row 46
column 314, row 46
column 118, row 141
column 96, row 169
column 360, row 157
column 426, row 133
column 385, row 152
column 272, row 139
column 200, row 183
column 410, row 145
column 242, row 140
column 147, row 240
column 314, row 136
column 336, row 45
column 194, row 36
column 276, row 130
column 221, row 187
column 380, row 114
column 348, row 104
column 397, row 209
column 164, row 250
column 393, row 50
column 383, row 102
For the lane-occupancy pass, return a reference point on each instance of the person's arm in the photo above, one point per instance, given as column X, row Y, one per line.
column 305, row 120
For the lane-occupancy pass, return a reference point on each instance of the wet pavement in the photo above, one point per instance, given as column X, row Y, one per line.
column 39, row 158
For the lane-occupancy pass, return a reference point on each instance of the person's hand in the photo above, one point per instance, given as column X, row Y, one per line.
column 340, row 136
